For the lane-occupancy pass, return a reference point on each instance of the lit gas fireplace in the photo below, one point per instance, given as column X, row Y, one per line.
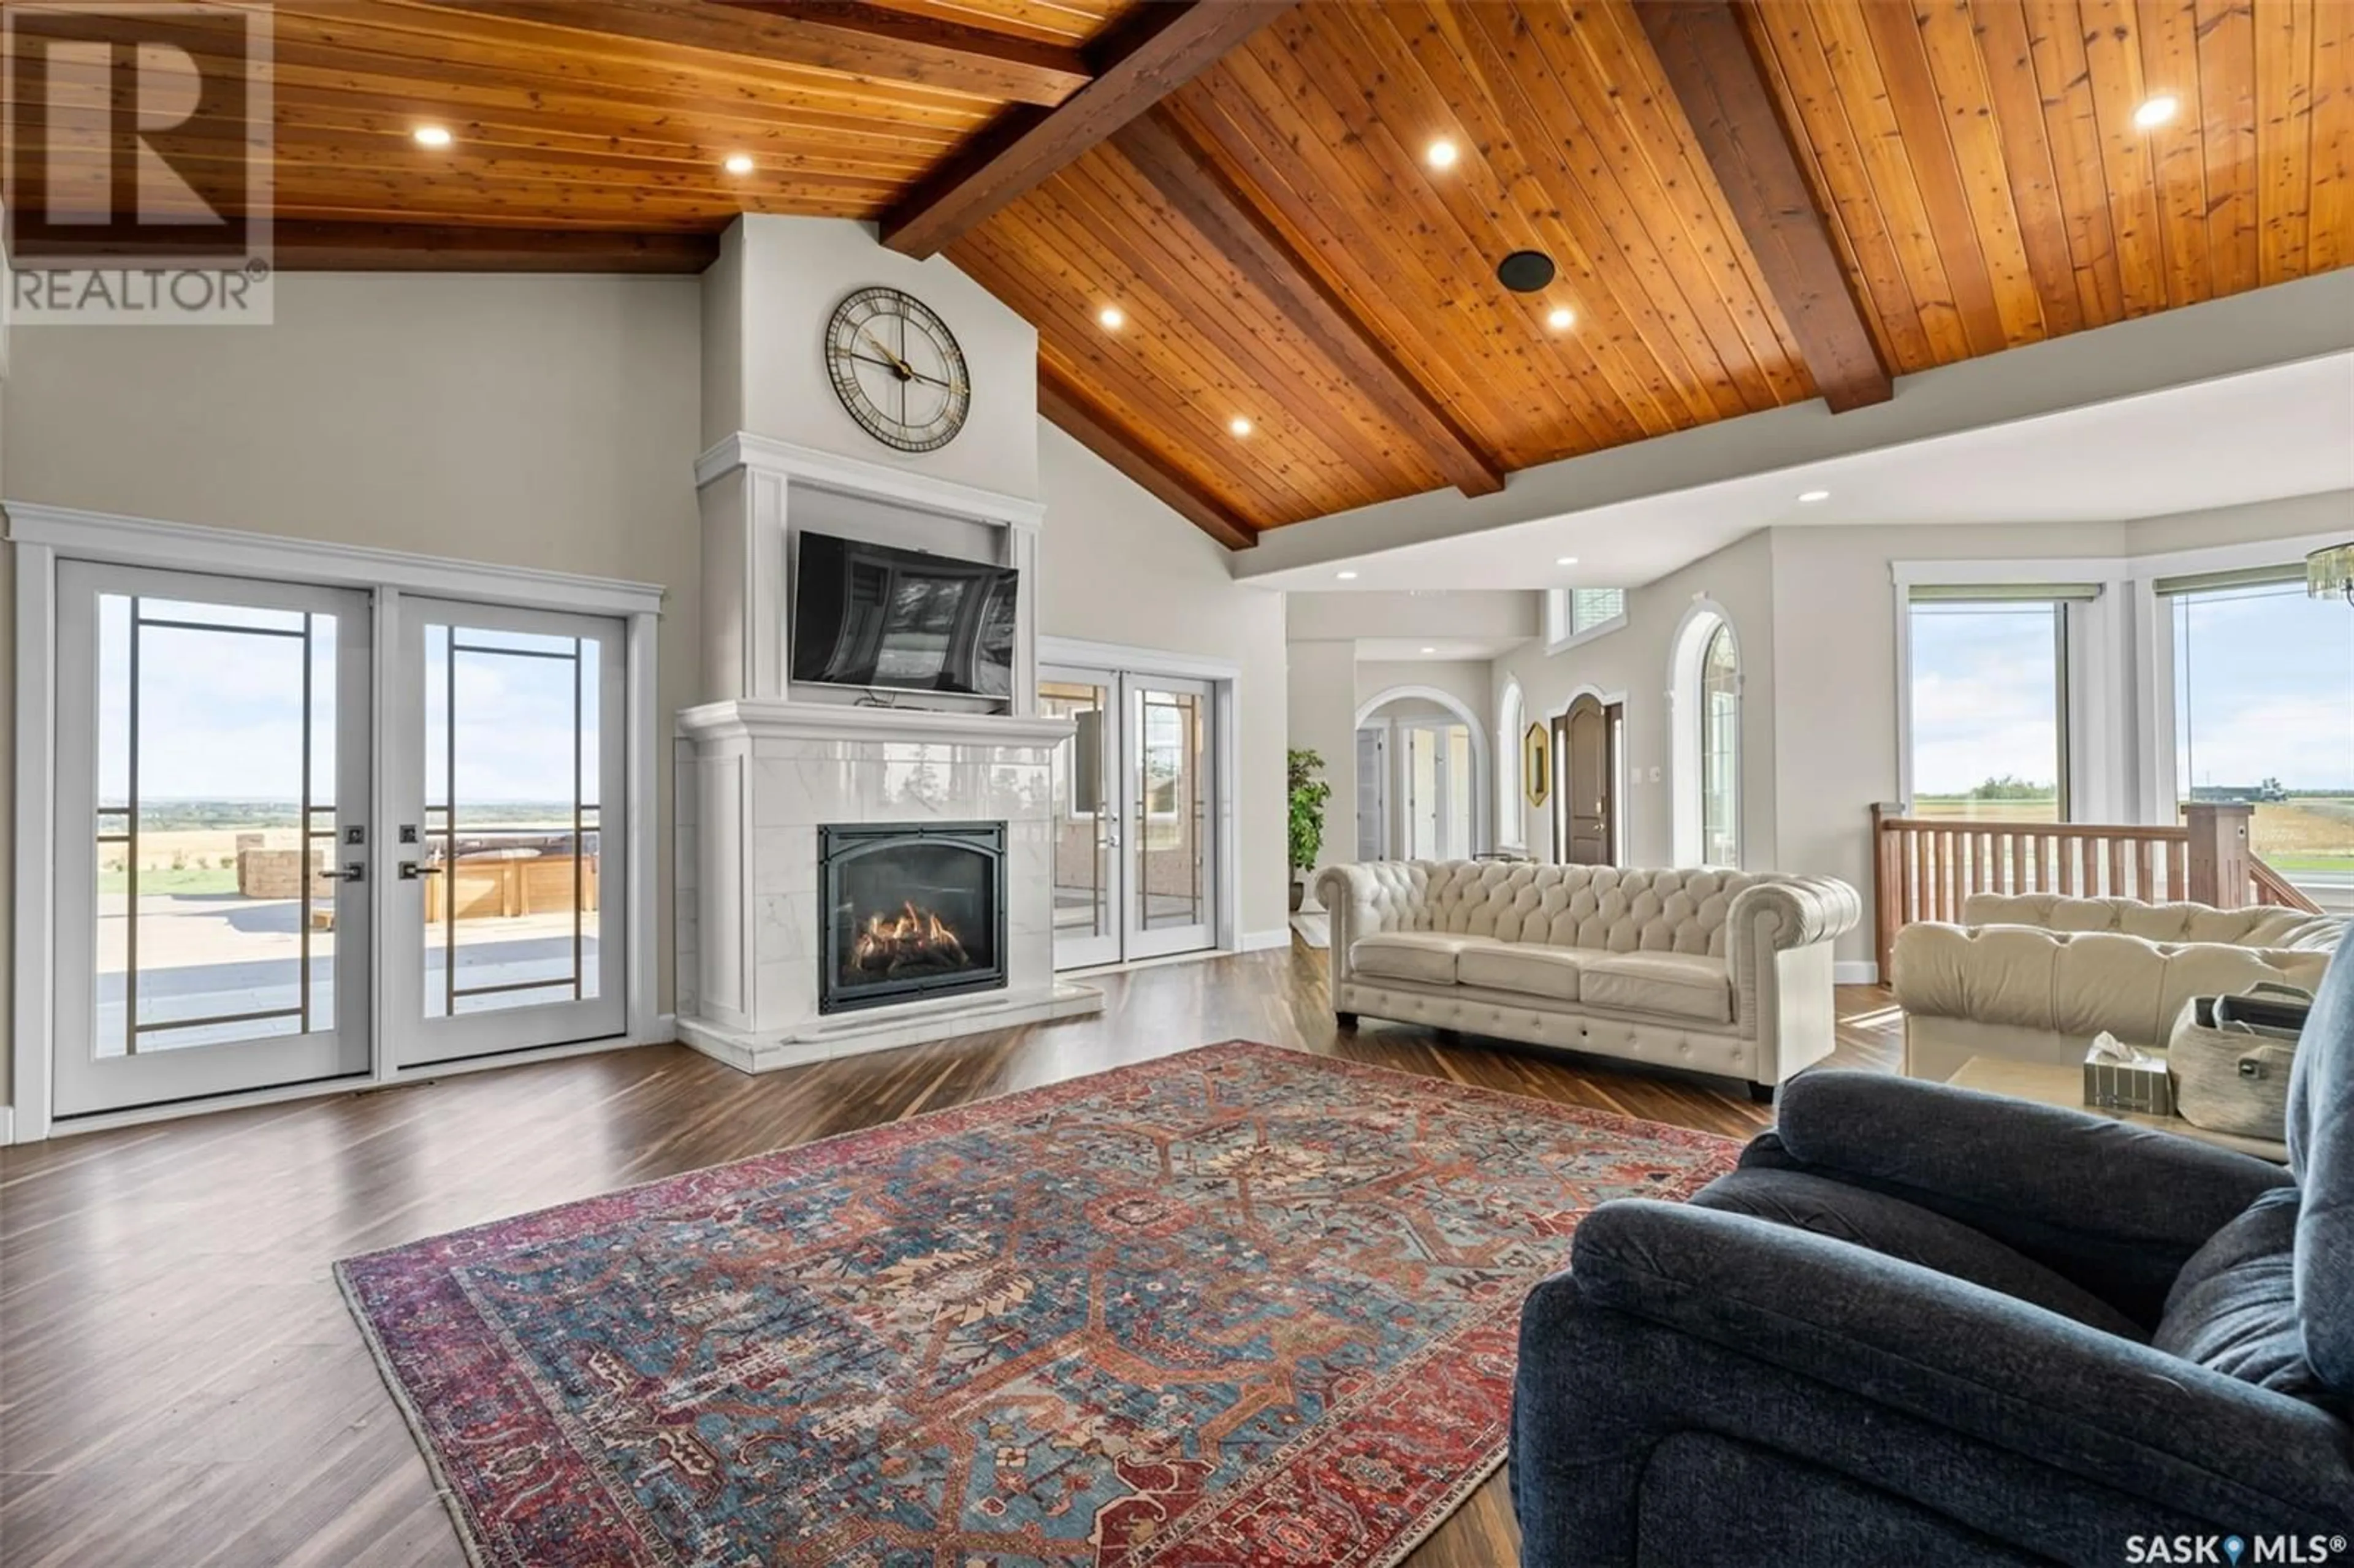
column 910, row 910
column 914, row 941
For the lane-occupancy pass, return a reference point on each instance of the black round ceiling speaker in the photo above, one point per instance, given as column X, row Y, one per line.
column 1525, row 272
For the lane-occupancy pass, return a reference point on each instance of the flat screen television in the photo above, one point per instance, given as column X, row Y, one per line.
column 873, row 616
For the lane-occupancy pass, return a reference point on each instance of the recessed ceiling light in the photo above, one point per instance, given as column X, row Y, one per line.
column 1810, row 497
column 737, row 163
column 1239, row 425
column 1431, row 650
column 1560, row 317
column 1441, row 154
column 1346, row 577
column 432, row 136
column 1564, row 560
column 1112, row 317
column 2156, row 110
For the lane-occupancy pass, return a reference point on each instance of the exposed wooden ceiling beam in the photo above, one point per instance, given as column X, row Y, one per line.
column 1205, row 197
column 1079, row 417
column 1156, row 50
column 1717, row 76
column 844, row 36
column 315, row 247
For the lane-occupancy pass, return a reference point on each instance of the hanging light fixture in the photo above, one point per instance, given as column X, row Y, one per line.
column 2330, row 573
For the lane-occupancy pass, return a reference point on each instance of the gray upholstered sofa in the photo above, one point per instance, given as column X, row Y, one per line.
column 1718, row 971
column 1921, row 1325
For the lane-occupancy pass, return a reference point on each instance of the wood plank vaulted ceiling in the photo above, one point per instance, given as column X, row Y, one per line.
column 1750, row 204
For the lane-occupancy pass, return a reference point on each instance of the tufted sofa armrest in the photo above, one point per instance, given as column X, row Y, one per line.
column 1779, row 916
column 1377, row 896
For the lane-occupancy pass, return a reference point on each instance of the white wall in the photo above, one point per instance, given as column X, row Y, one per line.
column 539, row 421
column 774, row 290
column 1488, row 615
column 1633, row 660
column 1465, row 680
column 1118, row 565
column 1320, row 714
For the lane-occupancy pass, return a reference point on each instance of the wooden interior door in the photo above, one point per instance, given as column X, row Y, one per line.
column 1585, row 783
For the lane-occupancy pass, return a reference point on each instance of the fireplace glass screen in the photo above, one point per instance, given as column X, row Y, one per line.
column 911, row 912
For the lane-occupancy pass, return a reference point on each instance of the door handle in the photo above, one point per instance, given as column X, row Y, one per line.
column 410, row 871
column 354, row 871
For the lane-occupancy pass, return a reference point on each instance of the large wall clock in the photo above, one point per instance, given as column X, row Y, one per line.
column 897, row 369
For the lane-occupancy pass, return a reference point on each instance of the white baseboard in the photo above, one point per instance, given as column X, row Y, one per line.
column 1855, row 971
column 663, row 1032
column 1257, row 941
column 7, row 1126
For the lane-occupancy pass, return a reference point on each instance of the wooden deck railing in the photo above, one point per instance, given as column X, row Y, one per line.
column 2271, row 887
column 1924, row 867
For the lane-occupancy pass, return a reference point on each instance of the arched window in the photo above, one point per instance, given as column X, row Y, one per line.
column 1720, row 750
column 1704, row 749
column 1511, row 788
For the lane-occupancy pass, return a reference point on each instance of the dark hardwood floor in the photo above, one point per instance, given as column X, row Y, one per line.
column 180, row 1384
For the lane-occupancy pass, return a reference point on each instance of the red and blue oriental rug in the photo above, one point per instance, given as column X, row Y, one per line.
column 1240, row 1306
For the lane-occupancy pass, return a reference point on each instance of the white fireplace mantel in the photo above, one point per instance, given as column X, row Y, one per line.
column 754, row 719
column 761, row 769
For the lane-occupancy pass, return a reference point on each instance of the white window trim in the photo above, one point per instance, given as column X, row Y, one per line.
column 2121, row 666
column 1685, row 781
column 1557, row 615
column 43, row 535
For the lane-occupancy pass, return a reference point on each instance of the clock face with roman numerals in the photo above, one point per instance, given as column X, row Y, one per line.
column 897, row 369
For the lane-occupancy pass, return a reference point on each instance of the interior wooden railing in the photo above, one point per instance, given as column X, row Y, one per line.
column 1924, row 867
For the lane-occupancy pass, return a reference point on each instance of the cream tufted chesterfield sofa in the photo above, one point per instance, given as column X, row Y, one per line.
column 2033, row 977
column 1718, row 971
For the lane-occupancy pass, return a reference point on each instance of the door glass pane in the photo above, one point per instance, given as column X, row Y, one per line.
column 511, row 819
column 1171, row 862
column 216, row 813
column 1720, row 753
column 1083, row 797
column 1987, row 716
column 1459, row 792
column 1422, row 793
column 2263, row 694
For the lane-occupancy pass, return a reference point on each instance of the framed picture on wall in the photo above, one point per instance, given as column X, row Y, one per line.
column 1536, row 765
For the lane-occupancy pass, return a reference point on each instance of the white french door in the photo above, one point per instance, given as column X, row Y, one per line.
column 1134, row 854
column 507, row 768
column 219, row 871
column 214, row 839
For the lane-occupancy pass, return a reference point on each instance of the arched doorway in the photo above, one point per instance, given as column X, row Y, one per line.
column 1423, row 777
column 1585, row 763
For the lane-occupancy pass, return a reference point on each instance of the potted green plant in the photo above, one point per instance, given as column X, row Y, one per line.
column 1309, row 794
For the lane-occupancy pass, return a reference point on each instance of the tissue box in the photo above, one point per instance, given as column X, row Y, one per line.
column 2119, row 1078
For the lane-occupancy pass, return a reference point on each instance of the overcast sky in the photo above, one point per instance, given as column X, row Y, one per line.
column 2268, row 691
column 220, row 714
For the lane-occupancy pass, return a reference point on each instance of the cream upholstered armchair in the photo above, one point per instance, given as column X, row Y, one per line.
column 2034, row 976
column 1718, row 971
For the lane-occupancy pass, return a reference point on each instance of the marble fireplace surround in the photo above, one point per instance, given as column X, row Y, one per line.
column 759, row 769
column 755, row 781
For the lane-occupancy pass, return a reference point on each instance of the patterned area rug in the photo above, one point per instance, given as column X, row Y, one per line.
column 1240, row 1306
